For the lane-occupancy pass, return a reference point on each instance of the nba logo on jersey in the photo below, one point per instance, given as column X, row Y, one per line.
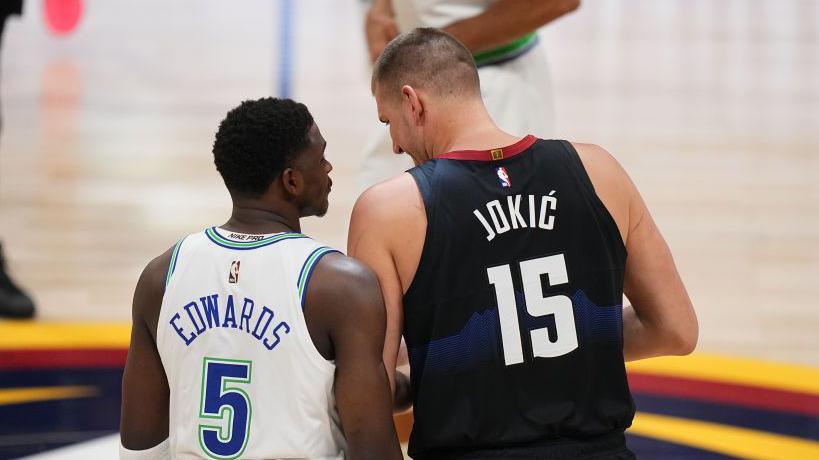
column 503, row 177
column 233, row 276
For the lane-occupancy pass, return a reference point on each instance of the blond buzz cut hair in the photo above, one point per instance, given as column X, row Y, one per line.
column 429, row 59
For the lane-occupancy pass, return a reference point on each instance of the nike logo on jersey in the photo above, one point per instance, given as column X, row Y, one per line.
column 243, row 237
column 511, row 217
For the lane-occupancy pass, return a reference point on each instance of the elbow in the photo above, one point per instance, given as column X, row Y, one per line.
column 687, row 344
column 684, row 339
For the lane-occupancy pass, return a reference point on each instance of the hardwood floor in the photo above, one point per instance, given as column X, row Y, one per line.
column 712, row 107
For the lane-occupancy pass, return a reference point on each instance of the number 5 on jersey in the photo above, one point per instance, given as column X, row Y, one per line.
column 227, row 405
column 537, row 305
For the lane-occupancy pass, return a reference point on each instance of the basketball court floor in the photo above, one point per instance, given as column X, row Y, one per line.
column 712, row 107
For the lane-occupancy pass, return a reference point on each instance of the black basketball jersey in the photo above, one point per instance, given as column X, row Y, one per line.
column 513, row 321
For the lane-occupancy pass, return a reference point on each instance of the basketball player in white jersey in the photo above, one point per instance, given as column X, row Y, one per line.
column 516, row 83
column 251, row 340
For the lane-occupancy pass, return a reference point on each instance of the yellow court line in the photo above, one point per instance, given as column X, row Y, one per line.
column 730, row 369
column 37, row 394
column 27, row 335
column 738, row 442
column 17, row 335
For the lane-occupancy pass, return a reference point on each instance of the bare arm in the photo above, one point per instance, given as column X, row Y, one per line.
column 348, row 295
column 145, row 393
column 661, row 319
column 368, row 243
column 379, row 27
column 501, row 23
column 507, row 20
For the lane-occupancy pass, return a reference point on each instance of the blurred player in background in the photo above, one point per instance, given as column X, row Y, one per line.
column 503, row 262
column 502, row 36
column 14, row 302
column 252, row 340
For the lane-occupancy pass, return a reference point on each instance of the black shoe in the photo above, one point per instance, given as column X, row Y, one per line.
column 14, row 303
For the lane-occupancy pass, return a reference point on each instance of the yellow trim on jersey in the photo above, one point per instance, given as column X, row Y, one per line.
column 741, row 371
column 737, row 442
column 27, row 335
column 39, row 394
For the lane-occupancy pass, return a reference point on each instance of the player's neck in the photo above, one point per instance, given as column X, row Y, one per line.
column 257, row 220
column 470, row 128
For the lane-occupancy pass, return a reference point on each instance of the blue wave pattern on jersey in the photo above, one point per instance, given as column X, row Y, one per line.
column 597, row 324
column 479, row 340
column 593, row 323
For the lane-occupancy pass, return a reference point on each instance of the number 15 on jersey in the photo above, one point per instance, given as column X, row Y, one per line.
column 537, row 305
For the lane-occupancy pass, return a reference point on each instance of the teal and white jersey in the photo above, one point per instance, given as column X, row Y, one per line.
column 246, row 380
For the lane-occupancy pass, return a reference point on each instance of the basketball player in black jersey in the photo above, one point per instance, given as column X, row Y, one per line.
column 503, row 260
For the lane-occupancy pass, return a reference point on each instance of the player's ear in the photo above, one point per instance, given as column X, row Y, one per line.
column 413, row 102
column 292, row 181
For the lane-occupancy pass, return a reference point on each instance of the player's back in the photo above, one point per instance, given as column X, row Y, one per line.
column 245, row 378
column 513, row 320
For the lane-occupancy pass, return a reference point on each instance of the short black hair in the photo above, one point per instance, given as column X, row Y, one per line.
column 427, row 58
column 259, row 139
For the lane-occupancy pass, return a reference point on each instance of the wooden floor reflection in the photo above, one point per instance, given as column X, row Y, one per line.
column 713, row 107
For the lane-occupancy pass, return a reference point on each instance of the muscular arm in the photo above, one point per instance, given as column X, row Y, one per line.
column 348, row 297
column 145, row 393
column 365, row 243
column 661, row 319
column 383, row 216
column 507, row 20
column 501, row 23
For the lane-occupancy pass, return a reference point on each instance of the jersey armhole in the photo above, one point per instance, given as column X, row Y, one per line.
column 172, row 264
column 308, row 346
column 307, row 270
column 588, row 185
column 423, row 182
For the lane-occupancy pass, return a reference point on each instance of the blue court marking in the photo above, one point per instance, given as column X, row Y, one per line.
column 648, row 448
column 286, row 8
column 771, row 421
column 33, row 427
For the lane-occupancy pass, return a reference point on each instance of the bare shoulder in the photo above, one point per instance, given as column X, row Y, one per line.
column 599, row 161
column 611, row 183
column 337, row 277
column 150, row 289
column 395, row 205
column 389, row 197
column 154, row 274
column 340, row 271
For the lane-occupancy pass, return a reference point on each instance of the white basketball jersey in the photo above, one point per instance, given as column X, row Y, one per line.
column 246, row 380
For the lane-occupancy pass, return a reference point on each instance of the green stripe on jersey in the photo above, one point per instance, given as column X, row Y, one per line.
column 505, row 51
column 308, row 268
column 172, row 264
column 251, row 244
